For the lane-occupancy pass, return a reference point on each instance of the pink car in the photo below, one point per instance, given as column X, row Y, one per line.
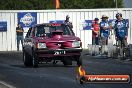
column 51, row 42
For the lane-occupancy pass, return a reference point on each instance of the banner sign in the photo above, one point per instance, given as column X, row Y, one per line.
column 112, row 21
column 3, row 26
column 87, row 24
column 27, row 19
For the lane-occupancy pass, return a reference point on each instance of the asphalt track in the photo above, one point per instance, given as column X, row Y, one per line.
column 13, row 74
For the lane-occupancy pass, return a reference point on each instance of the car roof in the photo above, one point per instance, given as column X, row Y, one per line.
column 47, row 24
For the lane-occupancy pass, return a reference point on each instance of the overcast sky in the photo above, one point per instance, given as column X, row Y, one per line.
column 128, row 3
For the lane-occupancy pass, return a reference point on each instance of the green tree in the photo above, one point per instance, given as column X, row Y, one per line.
column 88, row 4
column 64, row 4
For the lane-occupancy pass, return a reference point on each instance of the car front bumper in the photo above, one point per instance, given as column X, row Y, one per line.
column 58, row 52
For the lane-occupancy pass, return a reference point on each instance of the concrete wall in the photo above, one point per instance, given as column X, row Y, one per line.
column 77, row 16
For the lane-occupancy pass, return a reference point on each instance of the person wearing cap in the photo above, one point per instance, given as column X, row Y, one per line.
column 67, row 22
column 105, row 28
column 121, row 31
column 19, row 33
column 95, row 32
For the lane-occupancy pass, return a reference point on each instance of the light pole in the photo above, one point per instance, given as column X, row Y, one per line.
column 116, row 4
column 116, row 1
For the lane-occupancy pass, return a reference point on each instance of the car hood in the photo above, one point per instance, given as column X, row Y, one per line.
column 62, row 42
column 57, row 39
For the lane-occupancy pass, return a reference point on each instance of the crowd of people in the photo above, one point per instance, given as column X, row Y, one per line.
column 101, row 31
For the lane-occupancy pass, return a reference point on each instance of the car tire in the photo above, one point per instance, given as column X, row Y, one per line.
column 27, row 60
column 79, row 61
column 34, row 60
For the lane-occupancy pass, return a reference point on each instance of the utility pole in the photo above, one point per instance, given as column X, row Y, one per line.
column 116, row 3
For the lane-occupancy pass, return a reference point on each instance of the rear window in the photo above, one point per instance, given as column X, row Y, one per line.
column 46, row 30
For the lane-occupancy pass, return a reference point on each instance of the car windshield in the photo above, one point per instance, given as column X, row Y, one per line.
column 46, row 30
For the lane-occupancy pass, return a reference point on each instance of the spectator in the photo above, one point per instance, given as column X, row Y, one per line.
column 67, row 22
column 104, row 32
column 95, row 32
column 104, row 29
column 121, row 31
column 19, row 33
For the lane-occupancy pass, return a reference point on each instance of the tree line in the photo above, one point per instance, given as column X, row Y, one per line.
column 64, row 4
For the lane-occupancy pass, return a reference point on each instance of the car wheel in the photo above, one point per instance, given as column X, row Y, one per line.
column 34, row 60
column 79, row 61
column 27, row 60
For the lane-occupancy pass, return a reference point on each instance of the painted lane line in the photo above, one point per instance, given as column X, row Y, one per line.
column 7, row 85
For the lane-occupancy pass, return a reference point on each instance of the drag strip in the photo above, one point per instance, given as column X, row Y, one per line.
column 5, row 85
column 13, row 72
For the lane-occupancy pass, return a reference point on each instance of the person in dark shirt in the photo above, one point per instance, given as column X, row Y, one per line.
column 121, row 33
column 67, row 22
column 19, row 33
